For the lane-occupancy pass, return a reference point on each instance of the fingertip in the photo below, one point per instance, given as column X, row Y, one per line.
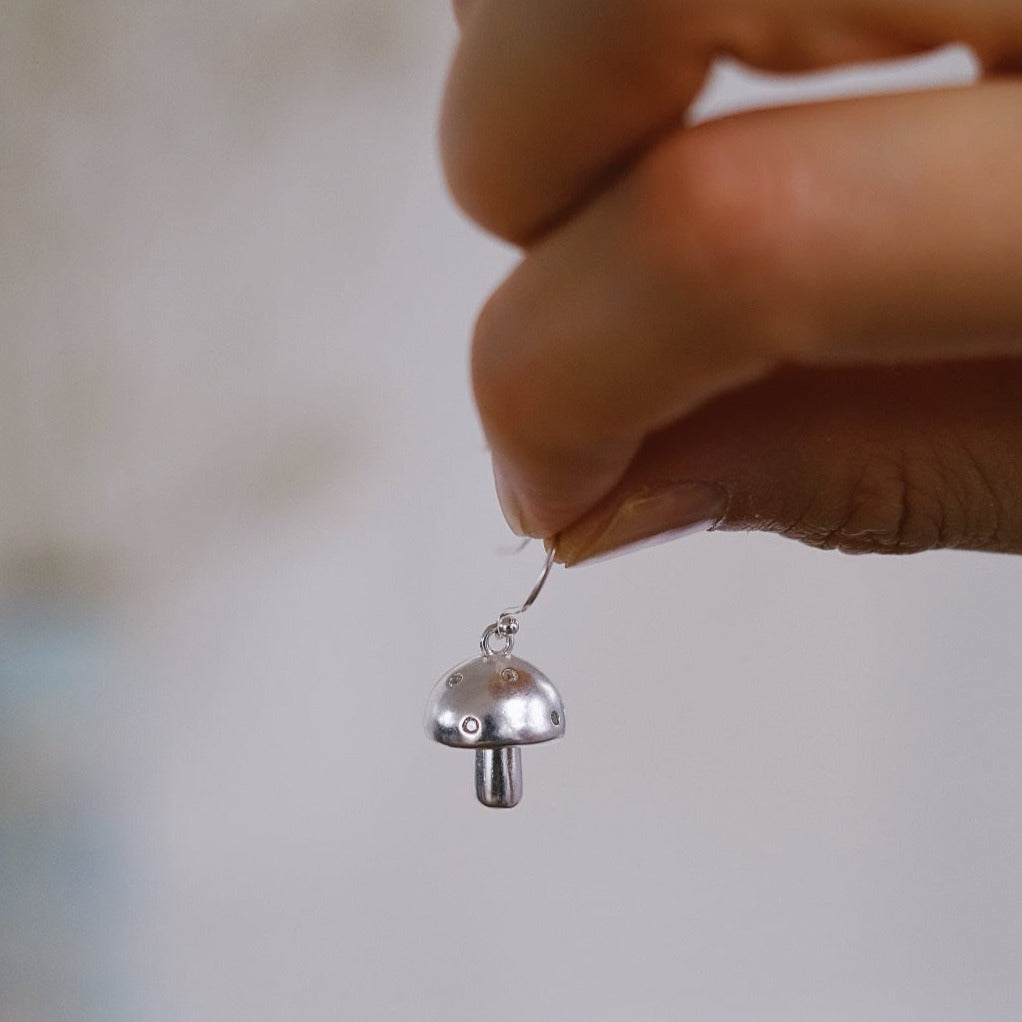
column 544, row 500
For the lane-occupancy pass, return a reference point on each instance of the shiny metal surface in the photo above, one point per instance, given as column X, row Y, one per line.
column 499, row 776
column 494, row 704
column 507, row 634
column 512, row 701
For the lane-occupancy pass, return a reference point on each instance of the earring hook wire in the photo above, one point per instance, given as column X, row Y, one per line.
column 535, row 591
column 506, row 625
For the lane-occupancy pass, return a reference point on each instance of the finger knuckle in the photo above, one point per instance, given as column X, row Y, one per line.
column 931, row 498
column 721, row 219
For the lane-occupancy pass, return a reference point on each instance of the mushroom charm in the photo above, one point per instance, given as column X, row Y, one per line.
column 494, row 704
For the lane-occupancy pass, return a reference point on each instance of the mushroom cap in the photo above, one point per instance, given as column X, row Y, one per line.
column 491, row 701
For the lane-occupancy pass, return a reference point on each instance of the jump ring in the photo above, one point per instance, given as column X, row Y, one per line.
column 485, row 643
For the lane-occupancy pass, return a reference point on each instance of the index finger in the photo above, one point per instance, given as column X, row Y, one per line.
column 546, row 99
column 876, row 231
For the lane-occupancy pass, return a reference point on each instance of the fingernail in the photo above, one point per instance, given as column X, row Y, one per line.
column 646, row 519
column 508, row 503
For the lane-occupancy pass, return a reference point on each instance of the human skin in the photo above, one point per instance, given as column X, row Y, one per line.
column 804, row 320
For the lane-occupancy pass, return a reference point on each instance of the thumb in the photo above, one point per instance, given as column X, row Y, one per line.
column 888, row 460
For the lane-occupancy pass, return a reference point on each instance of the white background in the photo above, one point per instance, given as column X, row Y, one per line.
column 246, row 522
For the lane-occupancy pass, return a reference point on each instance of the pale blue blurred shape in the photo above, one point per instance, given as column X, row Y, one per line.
column 57, row 849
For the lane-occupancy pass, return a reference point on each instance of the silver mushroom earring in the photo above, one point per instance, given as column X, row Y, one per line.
column 495, row 703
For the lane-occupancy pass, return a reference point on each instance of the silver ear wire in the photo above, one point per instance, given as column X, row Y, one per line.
column 506, row 625
column 531, row 598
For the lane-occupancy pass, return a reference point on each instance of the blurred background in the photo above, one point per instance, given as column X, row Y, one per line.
column 246, row 521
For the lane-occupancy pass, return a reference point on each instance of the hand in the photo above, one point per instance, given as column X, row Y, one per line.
column 804, row 320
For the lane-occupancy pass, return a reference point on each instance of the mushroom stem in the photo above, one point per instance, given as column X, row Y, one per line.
column 499, row 776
